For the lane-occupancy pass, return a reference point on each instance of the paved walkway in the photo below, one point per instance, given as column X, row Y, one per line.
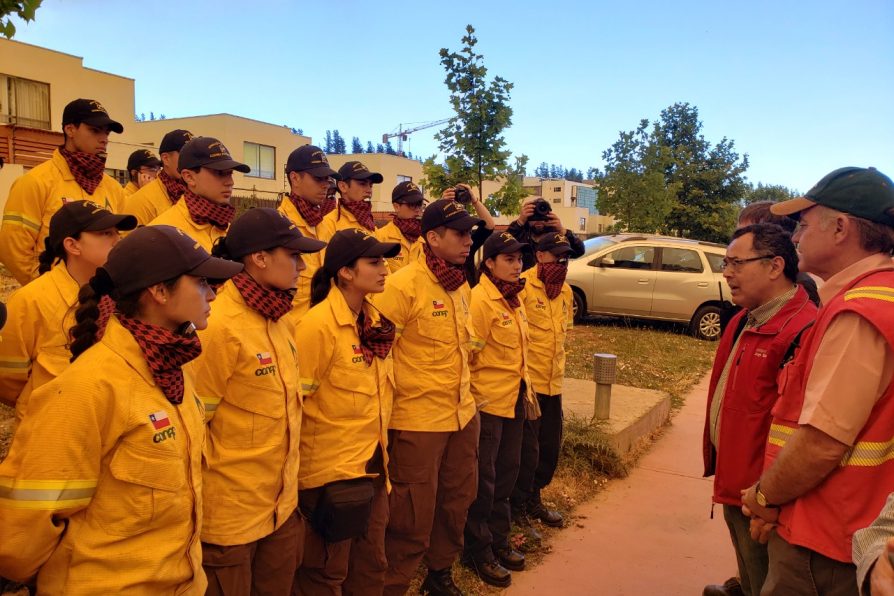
column 649, row 533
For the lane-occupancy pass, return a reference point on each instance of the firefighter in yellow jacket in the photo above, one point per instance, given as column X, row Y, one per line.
column 247, row 376
column 309, row 177
column 160, row 194
column 142, row 169
column 204, row 213
column 405, row 226
column 344, row 355
column 499, row 344
column 34, row 345
column 102, row 490
column 354, row 209
column 549, row 307
column 75, row 171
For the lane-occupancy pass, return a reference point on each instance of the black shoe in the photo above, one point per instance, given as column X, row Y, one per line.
column 730, row 587
column 490, row 572
column 523, row 522
column 440, row 583
column 510, row 558
column 549, row 517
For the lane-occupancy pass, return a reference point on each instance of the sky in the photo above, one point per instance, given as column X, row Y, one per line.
column 801, row 87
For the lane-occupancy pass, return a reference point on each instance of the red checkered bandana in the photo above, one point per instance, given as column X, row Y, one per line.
column 508, row 289
column 312, row 214
column 165, row 352
column 202, row 211
column 86, row 168
column 271, row 304
column 106, row 309
column 450, row 276
column 553, row 277
column 328, row 205
column 173, row 186
column 362, row 210
column 410, row 228
column 375, row 341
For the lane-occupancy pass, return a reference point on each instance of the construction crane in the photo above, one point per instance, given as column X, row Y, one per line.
column 403, row 133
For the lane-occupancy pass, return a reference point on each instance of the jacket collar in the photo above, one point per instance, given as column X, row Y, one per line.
column 60, row 163
column 119, row 340
column 66, row 285
column 785, row 314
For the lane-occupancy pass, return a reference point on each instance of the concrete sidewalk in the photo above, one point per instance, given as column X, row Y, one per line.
column 649, row 533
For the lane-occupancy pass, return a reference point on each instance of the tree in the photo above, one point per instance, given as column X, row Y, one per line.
column 24, row 9
column 369, row 147
column 380, row 148
column 542, row 171
column 338, row 143
column 508, row 200
column 327, row 146
column 473, row 139
column 356, row 146
column 769, row 192
column 389, row 148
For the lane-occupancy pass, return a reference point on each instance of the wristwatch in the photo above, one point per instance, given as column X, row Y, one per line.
column 761, row 498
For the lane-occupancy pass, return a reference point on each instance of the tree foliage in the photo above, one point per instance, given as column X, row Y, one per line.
column 769, row 192
column 508, row 200
column 24, row 9
column 356, row 145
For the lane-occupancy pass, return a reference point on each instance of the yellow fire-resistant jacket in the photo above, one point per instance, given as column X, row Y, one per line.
column 130, row 188
column 335, row 220
column 33, row 199
column 313, row 260
column 499, row 343
column 408, row 252
column 178, row 216
column 35, row 347
column 548, row 324
column 148, row 202
column 431, row 353
column 102, row 490
column 347, row 403
column 247, row 376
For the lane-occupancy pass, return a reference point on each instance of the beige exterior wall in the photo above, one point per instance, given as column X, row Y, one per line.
column 393, row 169
column 8, row 175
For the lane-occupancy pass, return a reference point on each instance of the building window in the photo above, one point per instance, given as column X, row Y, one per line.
column 557, row 200
column 24, row 102
column 261, row 159
column 119, row 175
column 402, row 178
column 557, row 189
column 583, row 224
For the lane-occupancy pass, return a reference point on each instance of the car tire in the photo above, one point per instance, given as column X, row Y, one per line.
column 706, row 323
column 580, row 308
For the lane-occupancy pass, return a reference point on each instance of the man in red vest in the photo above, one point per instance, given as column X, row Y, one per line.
column 761, row 267
column 829, row 465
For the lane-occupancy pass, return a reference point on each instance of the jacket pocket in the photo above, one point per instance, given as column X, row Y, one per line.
column 354, row 392
column 439, row 337
column 250, row 416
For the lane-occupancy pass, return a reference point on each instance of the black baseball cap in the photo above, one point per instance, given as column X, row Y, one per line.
column 355, row 170
column 407, row 192
column 347, row 245
column 142, row 158
column 75, row 217
column 450, row 214
column 89, row 111
column 208, row 152
column 555, row 243
column 153, row 254
column 175, row 140
column 864, row 192
column 262, row 229
column 502, row 243
column 310, row 159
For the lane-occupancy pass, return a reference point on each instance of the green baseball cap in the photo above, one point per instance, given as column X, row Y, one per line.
column 864, row 192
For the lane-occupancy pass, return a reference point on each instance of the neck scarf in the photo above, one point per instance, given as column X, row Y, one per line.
column 271, row 304
column 375, row 341
column 312, row 214
column 173, row 186
column 450, row 276
column 328, row 205
column 203, row 211
column 86, row 168
column 165, row 352
column 509, row 289
column 553, row 277
column 410, row 228
column 361, row 210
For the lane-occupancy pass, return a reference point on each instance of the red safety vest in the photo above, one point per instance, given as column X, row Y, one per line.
column 825, row 519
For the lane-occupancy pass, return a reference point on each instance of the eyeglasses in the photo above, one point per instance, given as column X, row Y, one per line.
column 736, row 264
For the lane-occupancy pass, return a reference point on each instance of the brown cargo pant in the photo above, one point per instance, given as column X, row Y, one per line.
column 350, row 567
column 264, row 567
column 434, row 479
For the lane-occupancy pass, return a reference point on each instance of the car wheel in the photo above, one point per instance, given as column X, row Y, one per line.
column 706, row 323
column 580, row 309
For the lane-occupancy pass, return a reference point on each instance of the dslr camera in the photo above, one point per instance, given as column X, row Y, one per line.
column 542, row 209
column 462, row 195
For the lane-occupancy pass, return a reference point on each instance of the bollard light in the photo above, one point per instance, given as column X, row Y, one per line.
column 605, row 372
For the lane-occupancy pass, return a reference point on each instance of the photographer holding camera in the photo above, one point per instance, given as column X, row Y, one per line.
column 536, row 220
column 464, row 195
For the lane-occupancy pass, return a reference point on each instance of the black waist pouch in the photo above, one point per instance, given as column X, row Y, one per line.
column 342, row 509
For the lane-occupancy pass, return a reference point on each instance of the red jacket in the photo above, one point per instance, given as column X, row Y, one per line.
column 751, row 392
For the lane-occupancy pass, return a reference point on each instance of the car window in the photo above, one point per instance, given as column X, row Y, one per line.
column 681, row 260
column 592, row 245
column 715, row 261
column 632, row 257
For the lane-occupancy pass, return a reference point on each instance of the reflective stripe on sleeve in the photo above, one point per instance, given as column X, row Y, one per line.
column 22, row 220
column 46, row 494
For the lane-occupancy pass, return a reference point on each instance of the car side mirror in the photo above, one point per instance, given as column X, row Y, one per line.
column 606, row 262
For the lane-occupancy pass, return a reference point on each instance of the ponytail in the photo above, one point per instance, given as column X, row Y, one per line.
column 83, row 334
column 221, row 250
column 49, row 256
column 320, row 285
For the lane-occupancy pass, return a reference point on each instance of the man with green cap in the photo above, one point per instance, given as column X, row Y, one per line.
column 828, row 467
